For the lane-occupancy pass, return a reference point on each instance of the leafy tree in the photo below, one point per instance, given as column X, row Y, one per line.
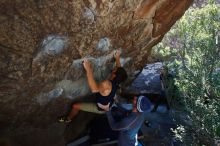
column 192, row 50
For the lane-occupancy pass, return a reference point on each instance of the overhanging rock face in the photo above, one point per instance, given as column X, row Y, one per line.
column 43, row 42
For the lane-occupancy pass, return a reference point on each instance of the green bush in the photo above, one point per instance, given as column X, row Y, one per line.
column 193, row 50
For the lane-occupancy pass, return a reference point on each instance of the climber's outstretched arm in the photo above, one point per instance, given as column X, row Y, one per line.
column 117, row 58
column 90, row 78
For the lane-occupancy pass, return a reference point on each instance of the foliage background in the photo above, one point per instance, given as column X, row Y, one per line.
column 191, row 51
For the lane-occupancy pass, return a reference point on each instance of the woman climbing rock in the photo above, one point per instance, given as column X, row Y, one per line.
column 104, row 92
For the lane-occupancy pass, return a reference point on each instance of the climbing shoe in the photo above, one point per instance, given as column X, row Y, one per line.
column 64, row 119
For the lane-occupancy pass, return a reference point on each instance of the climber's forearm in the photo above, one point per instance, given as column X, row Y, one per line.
column 91, row 81
column 117, row 61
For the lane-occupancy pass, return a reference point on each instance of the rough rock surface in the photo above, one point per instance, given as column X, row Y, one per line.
column 148, row 81
column 42, row 44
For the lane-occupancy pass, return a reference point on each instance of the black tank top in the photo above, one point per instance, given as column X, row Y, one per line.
column 106, row 99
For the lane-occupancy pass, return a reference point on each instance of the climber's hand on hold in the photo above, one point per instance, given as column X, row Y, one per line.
column 87, row 65
column 117, row 54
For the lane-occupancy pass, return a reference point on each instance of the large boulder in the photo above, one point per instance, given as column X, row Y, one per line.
column 43, row 43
